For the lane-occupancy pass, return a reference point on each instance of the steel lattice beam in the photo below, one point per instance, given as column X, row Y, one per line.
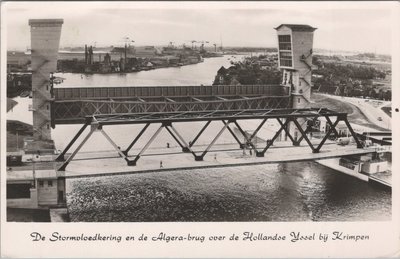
column 74, row 111
column 226, row 117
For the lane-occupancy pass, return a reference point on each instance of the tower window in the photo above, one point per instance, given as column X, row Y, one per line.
column 50, row 183
column 285, row 42
column 285, row 58
column 48, row 127
column 298, row 100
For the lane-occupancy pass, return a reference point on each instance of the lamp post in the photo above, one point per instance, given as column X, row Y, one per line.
column 17, row 141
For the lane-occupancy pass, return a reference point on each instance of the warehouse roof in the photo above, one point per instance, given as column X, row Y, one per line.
column 297, row 27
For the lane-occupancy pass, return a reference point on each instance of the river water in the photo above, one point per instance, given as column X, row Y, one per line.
column 300, row 191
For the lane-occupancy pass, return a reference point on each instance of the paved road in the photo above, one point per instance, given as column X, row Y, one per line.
column 370, row 108
column 185, row 161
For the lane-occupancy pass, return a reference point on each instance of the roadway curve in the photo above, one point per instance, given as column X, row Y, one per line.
column 370, row 108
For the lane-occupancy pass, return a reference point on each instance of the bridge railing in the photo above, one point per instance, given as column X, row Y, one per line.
column 170, row 91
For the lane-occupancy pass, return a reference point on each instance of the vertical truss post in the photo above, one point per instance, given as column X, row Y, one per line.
column 200, row 158
column 198, row 134
column 64, row 165
column 344, row 118
column 126, row 151
column 133, row 162
column 295, row 143
column 61, row 157
column 304, row 135
column 271, row 141
column 241, row 145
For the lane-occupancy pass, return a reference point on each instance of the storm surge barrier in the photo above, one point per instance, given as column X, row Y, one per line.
column 71, row 105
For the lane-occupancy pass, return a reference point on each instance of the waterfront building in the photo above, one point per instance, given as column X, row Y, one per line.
column 18, row 60
column 145, row 51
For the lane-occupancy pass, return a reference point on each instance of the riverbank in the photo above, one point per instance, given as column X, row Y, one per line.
column 11, row 104
column 196, row 74
column 16, row 132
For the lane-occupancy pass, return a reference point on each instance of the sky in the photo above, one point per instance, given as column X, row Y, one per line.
column 347, row 26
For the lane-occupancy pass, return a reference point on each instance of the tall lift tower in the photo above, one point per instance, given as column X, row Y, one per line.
column 295, row 43
column 45, row 39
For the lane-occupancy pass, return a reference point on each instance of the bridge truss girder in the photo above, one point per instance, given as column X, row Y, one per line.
column 167, row 120
column 75, row 111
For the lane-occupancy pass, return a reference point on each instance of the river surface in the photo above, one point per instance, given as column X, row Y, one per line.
column 196, row 74
column 300, row 191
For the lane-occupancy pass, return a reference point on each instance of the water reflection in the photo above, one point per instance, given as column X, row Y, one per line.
column 302, row 191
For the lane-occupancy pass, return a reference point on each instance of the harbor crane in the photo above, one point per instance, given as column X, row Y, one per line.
column 128, row 41
column 202, row 44
column 192, row 41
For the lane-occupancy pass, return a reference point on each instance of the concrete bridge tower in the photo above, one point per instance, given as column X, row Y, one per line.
column 295, row 43
column 45, row 39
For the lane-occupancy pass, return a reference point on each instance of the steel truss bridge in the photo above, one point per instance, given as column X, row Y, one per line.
column 72, row 105
column 167, row 120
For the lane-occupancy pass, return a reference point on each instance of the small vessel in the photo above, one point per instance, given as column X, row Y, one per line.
column 369, row 168
column 25, row 94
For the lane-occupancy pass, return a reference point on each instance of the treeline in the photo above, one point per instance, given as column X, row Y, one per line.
column 246, row 75
column 343, row 72
column 334, row 77
column 250, row 49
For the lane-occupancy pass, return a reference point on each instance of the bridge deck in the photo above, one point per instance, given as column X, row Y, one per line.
column 109, row 163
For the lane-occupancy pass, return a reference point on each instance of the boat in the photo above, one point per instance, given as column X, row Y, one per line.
column 368, row 168
column 25, row 94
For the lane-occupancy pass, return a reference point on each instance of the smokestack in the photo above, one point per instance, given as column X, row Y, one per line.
column 86, row 54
